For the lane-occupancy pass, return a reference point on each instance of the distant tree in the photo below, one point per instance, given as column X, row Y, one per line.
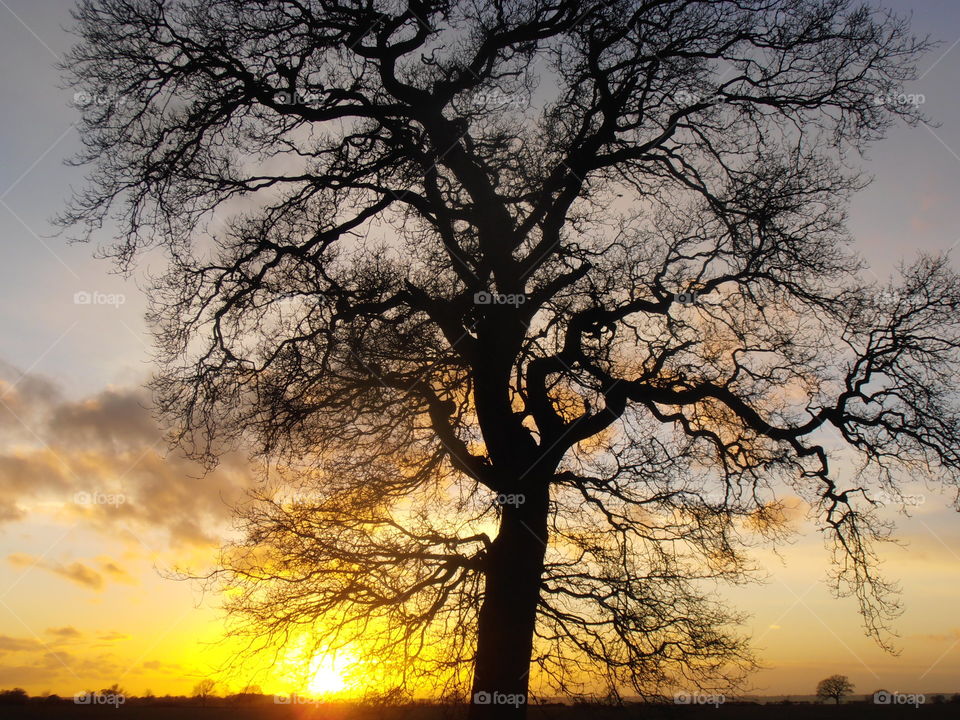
column 114, row 690
column 536, row 305
column 249, row 694
column 15, row 696
column 204, row 689
column 835, row 687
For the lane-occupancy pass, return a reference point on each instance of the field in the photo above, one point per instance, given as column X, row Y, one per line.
column 730, row 711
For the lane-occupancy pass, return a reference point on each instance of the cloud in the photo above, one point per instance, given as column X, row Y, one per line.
column 78, row 573
column 953, row 635
column 113, row 636
column 162, row 667
column 114, row 419
column 69, row 672
column 24, row 398
column 102, row 458
column 57, row 659
column 12, row 644
column 75, row 572
column 67, row 632
column 116, row 572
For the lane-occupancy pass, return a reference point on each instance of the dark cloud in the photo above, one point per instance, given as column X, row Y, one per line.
column 104, row 458
column 24, row 399
column 114, row 419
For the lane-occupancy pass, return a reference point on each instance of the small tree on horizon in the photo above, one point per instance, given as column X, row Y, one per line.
column 14, row 696
column 204, row 690
column 113, row 690
column 836, row 687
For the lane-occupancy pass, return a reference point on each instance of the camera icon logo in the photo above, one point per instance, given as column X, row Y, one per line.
column 882, row 697
column 82, row 297
column 685, row 298
column 481, row 698
column 482, row 298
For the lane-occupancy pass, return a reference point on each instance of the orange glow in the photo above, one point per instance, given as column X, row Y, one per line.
column 326, row 680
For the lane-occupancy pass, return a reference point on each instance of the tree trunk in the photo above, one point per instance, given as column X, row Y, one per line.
column 508, row 612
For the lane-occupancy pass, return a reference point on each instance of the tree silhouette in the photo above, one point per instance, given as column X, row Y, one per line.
column 203, row 690
column 14, row 696
column 113, row 691
column 835, row 686
column 529, row 308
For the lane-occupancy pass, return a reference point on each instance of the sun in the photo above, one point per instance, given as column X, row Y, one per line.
column 318, row 672
column 325, row 680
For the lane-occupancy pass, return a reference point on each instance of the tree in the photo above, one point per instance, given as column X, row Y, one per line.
column 835, row 686
column 113, row 691
column 529, row 308
column 203, row 690
column 15, row 696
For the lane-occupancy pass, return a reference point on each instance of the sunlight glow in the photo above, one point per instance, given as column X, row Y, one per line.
column 318, row 673
column 325, row 680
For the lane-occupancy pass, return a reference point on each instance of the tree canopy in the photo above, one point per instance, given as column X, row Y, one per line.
column 534, row 308
column 835, row 688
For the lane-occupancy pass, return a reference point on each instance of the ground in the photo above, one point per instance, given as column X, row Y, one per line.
column 730, row 711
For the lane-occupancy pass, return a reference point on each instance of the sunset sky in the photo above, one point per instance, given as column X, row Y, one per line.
column 96, row 514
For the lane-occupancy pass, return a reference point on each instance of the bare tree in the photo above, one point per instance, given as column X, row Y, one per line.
column 204, row 690
column 531, row 307
column 835, row 687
